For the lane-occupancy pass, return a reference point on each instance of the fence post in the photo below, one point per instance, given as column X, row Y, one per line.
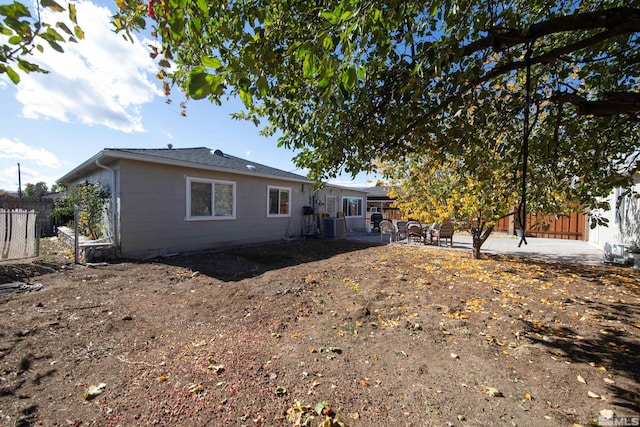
column 75, row 234
column 37, row 234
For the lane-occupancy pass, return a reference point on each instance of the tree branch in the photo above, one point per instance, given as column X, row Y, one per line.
column 623, row 19
column 616, row 21
column 611, row 103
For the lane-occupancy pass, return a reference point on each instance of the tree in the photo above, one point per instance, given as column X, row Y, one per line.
column 474, row 187
column 89, row 199
column 351, row 81
column 35, row 191
column 26, row 31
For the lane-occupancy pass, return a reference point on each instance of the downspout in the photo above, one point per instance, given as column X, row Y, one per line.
column 116, row 231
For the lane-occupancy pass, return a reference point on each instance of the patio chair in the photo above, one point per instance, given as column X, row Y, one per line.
column 414, row 231
column 401, row 229
column 387, row 227
column 444, row 232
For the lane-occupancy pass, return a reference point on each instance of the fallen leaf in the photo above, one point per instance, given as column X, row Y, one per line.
column 580, row 379
column 321, row 406
column 593, row 395
column 492, row 391
column 93, row 391
column 196, row 388
column 607, row 414
column 609, row 381
column 527, row 396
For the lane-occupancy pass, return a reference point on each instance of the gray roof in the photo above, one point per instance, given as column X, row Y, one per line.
column 379, row 192
column 200, row 157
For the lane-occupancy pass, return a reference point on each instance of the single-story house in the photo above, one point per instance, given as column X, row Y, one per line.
column 176, row 200
column 378, row 201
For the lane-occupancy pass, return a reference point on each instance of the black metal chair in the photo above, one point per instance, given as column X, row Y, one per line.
column 376, row 218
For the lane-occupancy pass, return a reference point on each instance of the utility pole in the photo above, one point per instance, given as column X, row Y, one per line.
column 19, row 183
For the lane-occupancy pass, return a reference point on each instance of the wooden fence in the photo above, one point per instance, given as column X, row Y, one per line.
column 570, row 227
column 18, row 234
column 46, row 224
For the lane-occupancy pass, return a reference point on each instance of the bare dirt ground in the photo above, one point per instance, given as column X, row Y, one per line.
column 369, row 335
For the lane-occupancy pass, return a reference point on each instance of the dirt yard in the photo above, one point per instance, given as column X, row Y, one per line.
column 345, row 332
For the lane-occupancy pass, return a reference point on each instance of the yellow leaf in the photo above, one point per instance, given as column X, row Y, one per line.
column 492, row 391
column 527, row 396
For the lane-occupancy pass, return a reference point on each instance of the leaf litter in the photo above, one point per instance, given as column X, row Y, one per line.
column 547, row 342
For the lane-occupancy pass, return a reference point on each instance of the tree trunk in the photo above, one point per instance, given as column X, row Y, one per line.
column 479, row 236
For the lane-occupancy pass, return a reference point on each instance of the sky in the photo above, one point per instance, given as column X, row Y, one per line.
column 102, row 93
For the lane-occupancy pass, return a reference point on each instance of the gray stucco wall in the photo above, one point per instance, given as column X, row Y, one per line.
column 153, row 211
column 338, row 194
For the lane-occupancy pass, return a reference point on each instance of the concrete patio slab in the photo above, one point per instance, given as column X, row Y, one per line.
column 569, row 251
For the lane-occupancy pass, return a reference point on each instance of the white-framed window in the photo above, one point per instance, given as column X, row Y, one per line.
column 352, row 206
column 278, row 201
column 210, row 199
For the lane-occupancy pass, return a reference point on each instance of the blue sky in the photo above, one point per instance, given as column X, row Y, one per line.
column 102, row 93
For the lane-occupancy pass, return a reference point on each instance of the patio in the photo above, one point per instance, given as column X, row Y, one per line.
column 570, row 251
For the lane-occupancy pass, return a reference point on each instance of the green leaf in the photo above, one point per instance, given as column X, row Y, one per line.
column 211, row 62
column 346, row 15
column 204, row 7
column 78, row 32
column 55, row 46
column 349, row 78
column 263, row 85
column 52, row 5
column 198, row 86
column 327, row 42
column 15, row 77
column 72, row 13
column 246, row 97
column 52, row 34
column 29, row 67
column 309, row 65
column 15, row 10
column 14, row 40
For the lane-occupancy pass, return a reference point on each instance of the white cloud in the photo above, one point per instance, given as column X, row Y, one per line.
column 102, row 80
column 248, row 153
column 9, row 177
column 20, row 151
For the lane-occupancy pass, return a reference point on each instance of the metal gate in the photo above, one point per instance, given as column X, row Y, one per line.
column 18, row 234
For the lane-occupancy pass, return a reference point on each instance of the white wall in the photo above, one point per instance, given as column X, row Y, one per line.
column 623, row 216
